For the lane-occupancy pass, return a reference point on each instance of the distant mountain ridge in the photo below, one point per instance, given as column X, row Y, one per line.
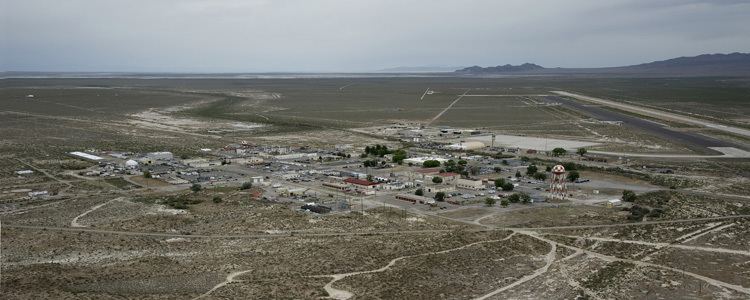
column 732, row 64
column 501, row 69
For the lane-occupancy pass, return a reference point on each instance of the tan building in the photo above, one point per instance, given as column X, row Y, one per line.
column 469, row 184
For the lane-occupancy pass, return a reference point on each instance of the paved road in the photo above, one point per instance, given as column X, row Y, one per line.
column 727, row 152
column 694, row 141
column 447, row 108
column 658, row 114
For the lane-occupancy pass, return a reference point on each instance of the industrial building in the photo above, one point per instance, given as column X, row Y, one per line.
column 470, row 145
column 85, row 156
column 421, row 160
column 436, row 188
column 415, row 199
column 359, row 183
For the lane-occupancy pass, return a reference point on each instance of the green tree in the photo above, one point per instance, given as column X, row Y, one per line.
column 440, row 196
column 499, row 182
column 548, row 169
column 573, row 175
column 559, row 151
column 196, row 188
column 531, row 169
column 216, row 199
column 504, row 203
column 419, row 192
column 437, row 179
column 462, row 162
column 629, row 196
column 581, row 151
column 515, row 198
column 246, row 185
column 508, row 186
column 504, row 162
column 497, row 169
column 146, row 174
column 489, row 201
column 399, row 156
column 540, row 176
column 431, row 164
column 518, row 174
column 369, row 177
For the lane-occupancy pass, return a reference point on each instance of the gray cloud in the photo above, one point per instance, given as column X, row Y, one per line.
column 340, row 35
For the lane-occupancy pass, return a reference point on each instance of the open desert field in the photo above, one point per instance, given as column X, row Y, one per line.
column 128, row 236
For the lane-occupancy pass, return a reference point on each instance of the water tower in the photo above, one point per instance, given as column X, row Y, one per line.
column 557, row 188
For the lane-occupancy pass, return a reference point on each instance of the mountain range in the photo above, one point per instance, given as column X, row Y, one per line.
column 732, row 64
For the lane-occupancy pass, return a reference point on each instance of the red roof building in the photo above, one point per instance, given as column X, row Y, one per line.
column 360, row 182
column 428, row 170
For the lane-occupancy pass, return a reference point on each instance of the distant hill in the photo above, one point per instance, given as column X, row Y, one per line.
column 501, row 69
column 732, row 64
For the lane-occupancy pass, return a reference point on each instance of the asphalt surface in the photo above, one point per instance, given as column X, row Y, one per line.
column 693, row 141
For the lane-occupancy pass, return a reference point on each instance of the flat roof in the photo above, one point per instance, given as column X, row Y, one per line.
column 85, row 155
column 359, row 182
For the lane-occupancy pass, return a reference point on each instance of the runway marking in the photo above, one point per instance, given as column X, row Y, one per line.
column 343, row 87
column 423, row 94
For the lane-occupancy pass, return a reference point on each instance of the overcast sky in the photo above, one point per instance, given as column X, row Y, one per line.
column 359, row 35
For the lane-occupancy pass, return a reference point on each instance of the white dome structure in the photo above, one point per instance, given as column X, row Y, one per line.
column 131, row 163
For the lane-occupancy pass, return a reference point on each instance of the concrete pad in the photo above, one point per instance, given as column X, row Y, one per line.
column 732, row 152
column 526, row 142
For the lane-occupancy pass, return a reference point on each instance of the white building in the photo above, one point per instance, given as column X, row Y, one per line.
column 85, row 156
column 293, row 156
column 393, row 186
column 246, row 160
column 24, row 172
column 256, row 179
column 614, row 202
column 472, row 145
column 436, row 188
column 38, row 194
column 200, row 162
column 290, row 175
column 421, row 160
